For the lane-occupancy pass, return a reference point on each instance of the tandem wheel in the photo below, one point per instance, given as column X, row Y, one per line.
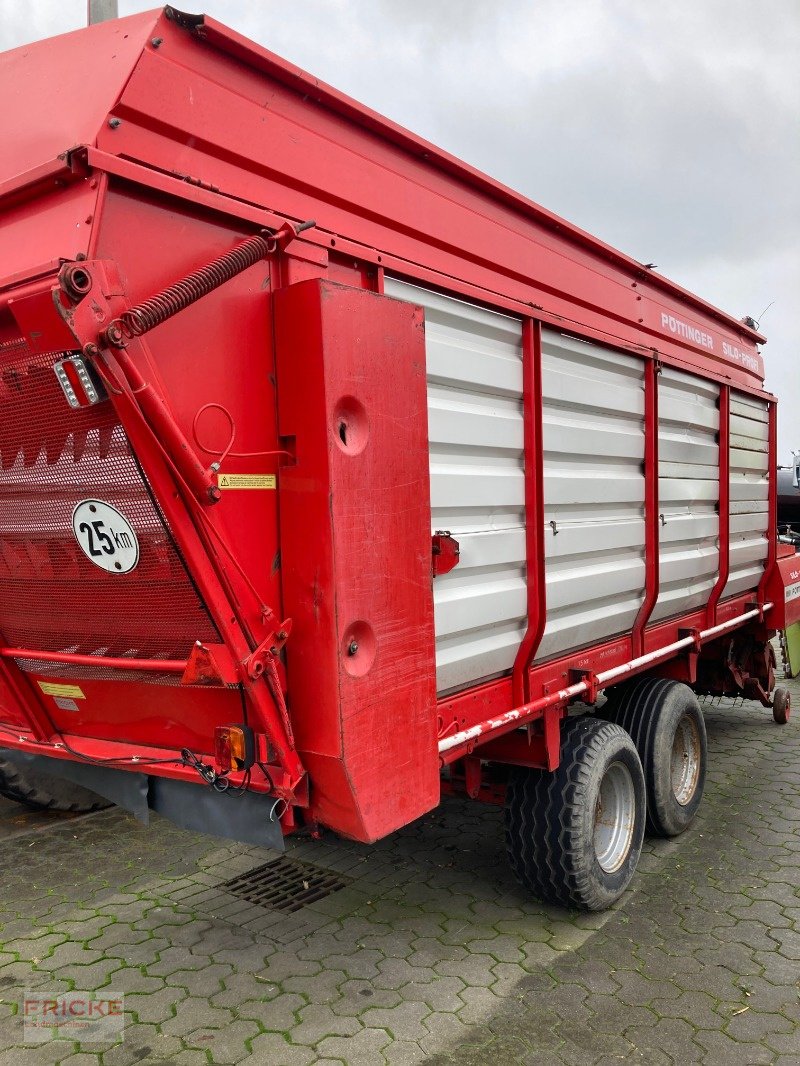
column 666, row 724
column 43, row 792
column 781, row 705
column 574, row 836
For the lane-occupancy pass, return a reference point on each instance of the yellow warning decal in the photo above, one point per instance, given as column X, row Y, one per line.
column 246, row 481
column 52, row 688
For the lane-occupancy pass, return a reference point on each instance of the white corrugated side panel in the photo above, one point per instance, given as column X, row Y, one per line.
column 475, row 427
column 688, row 491
column 749, row 488
column 593, row 429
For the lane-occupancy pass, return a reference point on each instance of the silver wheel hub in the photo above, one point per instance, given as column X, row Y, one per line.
column 685, row 760
column 614, row 817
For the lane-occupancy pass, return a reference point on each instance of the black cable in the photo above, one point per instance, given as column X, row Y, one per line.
column 268, row 776
column 126, row 759
column 219, row 782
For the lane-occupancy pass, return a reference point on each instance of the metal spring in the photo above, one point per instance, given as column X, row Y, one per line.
column 152, row 312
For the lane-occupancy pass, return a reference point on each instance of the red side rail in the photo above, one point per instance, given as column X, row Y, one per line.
column 463, row 742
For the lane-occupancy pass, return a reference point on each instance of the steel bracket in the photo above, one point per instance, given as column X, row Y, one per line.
column 256, row 663
column 472, row 776
column 697, row 642
column 210, row 664
column 589, row 679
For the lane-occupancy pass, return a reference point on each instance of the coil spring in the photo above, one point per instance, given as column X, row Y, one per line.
column 152, row 312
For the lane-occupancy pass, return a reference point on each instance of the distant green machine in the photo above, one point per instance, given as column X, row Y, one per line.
column 790, row 646
column 789, row 530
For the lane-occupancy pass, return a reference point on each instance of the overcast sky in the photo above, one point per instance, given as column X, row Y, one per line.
column 670, row 130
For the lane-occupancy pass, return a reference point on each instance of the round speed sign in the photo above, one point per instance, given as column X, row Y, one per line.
column 105, row 536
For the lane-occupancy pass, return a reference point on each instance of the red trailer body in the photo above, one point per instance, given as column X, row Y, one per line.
column 221, row 288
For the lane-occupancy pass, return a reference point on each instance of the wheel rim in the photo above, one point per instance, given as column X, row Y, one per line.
column 685, row 760
column 614, row 817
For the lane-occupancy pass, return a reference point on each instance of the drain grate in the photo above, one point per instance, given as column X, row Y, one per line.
column 285, row 884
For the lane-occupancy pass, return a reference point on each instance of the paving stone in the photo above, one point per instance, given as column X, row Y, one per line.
column 442, row 994
column 698, row 1008
column 473, row 970
column 404, row 1053
column 324, row 987
column 56, row 1051
column 230, row 1044
column 158, row 1006
column 720, row 1048
column 434, row 954
column 357, row 996
column 280, row 1013
column 142, row 1043
column 273, row 1049
column 403, row 1021
column 39, row 945
column 318, row 1020
column 203, row 981
column 90, row 977
column 195, row 1013
column 755, row 1026
column 786, row 1043
column 363, row 1049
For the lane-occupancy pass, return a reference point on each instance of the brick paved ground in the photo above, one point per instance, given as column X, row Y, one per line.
column 431, row 953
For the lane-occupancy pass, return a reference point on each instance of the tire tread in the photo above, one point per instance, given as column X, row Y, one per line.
column 32, row 790
column 543, row 810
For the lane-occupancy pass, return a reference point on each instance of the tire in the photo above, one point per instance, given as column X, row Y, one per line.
column 781, row 705
column 44, row 792
column 558, row 844
column 666, row 724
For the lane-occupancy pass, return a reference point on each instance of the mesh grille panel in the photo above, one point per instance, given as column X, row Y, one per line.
column 53, row 598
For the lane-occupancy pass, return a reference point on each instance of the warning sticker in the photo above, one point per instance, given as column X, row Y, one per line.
column 246, row 481
column 64, row 704
column 53, row 688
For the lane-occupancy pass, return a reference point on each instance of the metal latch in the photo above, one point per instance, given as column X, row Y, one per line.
column 445, row 551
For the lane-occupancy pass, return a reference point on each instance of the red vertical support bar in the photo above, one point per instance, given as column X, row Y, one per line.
column 651, row 522
column 724, row 503
column 534, row 506
column 772, row 517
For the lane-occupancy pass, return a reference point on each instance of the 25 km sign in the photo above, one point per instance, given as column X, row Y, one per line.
column 105, row 536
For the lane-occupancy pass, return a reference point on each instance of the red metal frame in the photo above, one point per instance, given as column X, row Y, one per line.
column 159, row 666
column 651, row 508
column 724, row 502
column 405, row 207
column 465, row 741
column 772, row 469
column 229, row 597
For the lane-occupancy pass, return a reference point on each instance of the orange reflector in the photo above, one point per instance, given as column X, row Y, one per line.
column 233, row 747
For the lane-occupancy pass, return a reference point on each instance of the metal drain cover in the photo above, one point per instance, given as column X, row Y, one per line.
column 285, row 884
